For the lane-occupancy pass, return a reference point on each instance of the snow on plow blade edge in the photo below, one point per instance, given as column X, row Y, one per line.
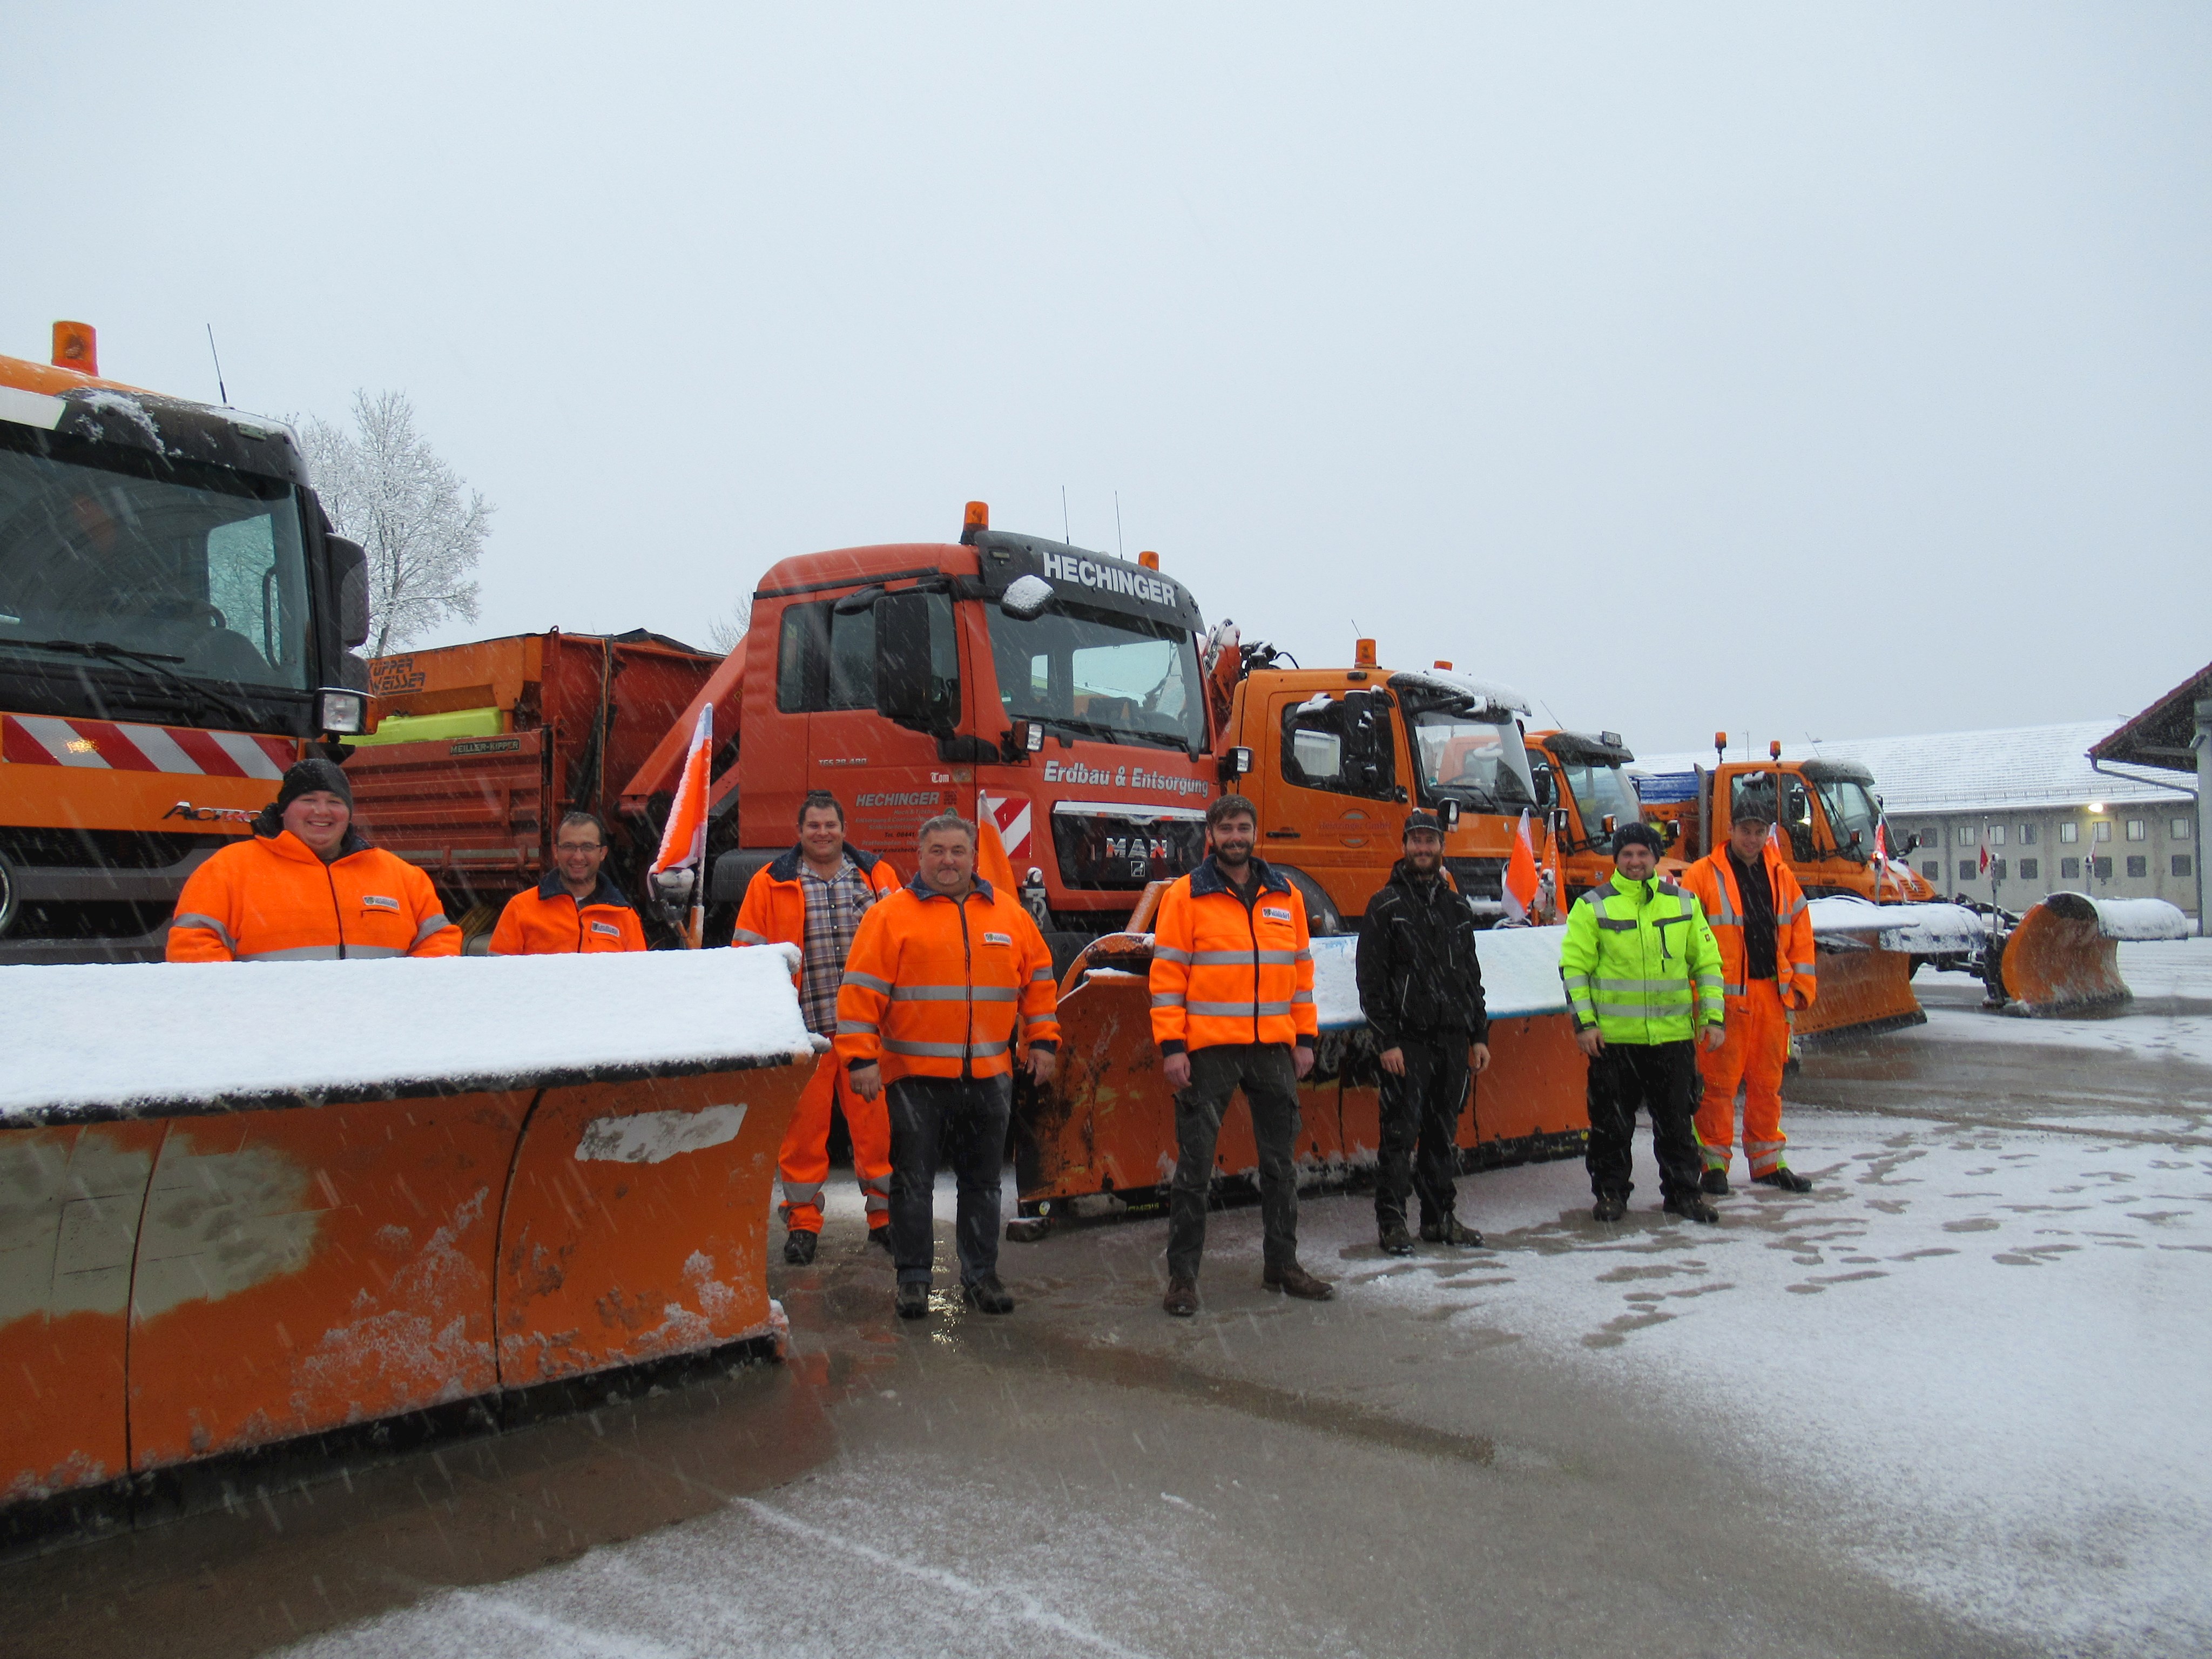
column 2063, row 959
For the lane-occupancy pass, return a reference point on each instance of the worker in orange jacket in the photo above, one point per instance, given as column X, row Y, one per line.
column 948, row 980
column 814, row 897
column 1759, row 921
column 575, row 910
column 307, row 886
column 1232, row 982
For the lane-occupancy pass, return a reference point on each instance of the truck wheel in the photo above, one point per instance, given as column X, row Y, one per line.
column 1323, row 921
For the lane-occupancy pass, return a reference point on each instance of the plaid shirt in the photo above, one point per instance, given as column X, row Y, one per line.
column 833, row 909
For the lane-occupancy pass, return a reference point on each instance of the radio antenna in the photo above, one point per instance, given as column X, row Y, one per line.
column 1066, row 534
column 219, row 387
column 1120, row 551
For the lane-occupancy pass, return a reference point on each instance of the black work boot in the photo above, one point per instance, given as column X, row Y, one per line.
column 1715, row 1181
column 881, row 1238
column 1610, row 1207
column 1784, row 1177
column 1294, row 1280
column 1451, row 1230
column 1396, row 1240
column 913, row 1300
column 1181, row 1299
column 799, row 1248
column 987, row 1295
column 1691, row 1207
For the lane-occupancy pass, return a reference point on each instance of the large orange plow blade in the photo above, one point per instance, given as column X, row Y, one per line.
column 1861, row 988
column 1106, row 1126
column 2063, row 957
column 204, row 1268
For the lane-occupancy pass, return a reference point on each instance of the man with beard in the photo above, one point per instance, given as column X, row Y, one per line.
column 1233, row 1005
column 1420, row 989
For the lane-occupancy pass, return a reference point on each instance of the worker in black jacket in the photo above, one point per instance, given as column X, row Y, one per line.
column 1420, row 989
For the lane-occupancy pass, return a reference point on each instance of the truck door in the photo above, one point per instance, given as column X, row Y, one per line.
column 1334, row 803
column 883, row 766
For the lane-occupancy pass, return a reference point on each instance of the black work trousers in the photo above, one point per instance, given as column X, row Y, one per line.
column 1269, row 1076
column 1420, row 1128
column 1662, row 1078
column 963, row 1121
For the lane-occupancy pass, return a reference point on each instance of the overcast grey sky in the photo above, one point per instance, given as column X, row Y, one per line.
column 1796, row 369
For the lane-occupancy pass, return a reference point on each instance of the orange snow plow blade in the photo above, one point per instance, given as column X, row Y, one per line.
column 1106, row 1125
column 2059, row 961
column 1861, row 988
column 204, row 1275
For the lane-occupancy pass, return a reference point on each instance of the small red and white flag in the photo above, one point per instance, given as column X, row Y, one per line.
column 1519, row 891
column 684, row 843
column 1880, row 857
column 1984, row 860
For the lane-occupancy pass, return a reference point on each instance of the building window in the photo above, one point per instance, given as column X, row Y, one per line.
column 1996, row 835
column 2069, row 833
column 2101, row 868
column 2178, row 830
column 1996, row 870
column 2103, row 830
column 2138, row 866
column 2138, row 830
column 1964, row 835
column 2031, row 869
column 2181, row 865
column 2069, row 869
column 2027, row 834
column 1932, row 836
column 1933, row 869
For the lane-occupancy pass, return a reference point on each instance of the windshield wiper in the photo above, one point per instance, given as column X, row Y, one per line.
column 155, row 663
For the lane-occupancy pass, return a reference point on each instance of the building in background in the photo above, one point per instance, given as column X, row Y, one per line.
column 2028, row 796
column 2173, row 736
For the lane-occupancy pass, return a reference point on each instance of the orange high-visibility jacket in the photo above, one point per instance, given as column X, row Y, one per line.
column 268, row 898
column 1714, row 884
column 1226, row 972
column 544, row 921
column 774, row 910
column 933, row 987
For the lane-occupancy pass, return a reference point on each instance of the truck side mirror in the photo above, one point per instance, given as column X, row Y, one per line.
column 1025, row 597
column 349, row 575
column 902, row 677
column 1448, row 815
column 1607, row 822
column 1670, row 832
column 1236, row 763
column 1855, row 838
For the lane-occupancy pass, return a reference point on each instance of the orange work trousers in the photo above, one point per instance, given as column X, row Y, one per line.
column 1758, row 1047
column 803, row 1162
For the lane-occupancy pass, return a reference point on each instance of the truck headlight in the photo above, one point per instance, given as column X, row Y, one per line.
column 341, row 712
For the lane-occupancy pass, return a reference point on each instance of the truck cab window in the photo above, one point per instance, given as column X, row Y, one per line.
column 826, row 659
column 1343, row 745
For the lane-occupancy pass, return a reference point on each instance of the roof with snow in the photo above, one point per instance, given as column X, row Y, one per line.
column 2020, row 767
column 2161, row 735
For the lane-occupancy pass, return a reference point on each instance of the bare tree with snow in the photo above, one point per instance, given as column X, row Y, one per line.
column 724, row 633
column 385, row 487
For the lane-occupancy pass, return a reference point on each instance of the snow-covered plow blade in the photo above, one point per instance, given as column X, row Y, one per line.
column 2063, row 957
column 240, row 1204
column 1106, row 1126
column 1864, row 958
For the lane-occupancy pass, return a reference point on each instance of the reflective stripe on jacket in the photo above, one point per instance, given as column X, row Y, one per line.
column 545, row 920
column 268, row 898
column 1713, row 883
column 1226, row 972
column 1640, row 963
column 775, row 907
column 939, row 988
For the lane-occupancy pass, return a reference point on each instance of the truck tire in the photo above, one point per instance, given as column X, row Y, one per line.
column 1323, row 921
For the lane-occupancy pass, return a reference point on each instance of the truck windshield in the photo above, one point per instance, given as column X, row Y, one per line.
column 1481, row 763
column 1849, row 808
column 1101, row 673
column 196, row 569
column 1599, row 793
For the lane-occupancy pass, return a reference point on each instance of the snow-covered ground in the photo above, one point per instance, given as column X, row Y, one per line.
column 1975, row 1360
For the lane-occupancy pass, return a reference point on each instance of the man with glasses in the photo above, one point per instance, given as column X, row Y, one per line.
column 575, row 908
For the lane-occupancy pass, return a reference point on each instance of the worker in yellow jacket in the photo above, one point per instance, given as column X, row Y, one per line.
column 948, row 980
column 1232, row 982
column 1759, row 920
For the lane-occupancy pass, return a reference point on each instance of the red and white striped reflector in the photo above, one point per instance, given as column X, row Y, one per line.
column 113, row 746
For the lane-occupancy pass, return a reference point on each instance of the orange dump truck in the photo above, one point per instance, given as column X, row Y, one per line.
column 481, row 748
column 176, row 621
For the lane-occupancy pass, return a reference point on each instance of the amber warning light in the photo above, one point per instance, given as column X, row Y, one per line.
column 76, row 345
column 978, row 519
column 1150, row 561
column 1362, row 653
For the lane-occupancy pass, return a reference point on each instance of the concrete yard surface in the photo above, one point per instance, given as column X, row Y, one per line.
column 1952, row 1401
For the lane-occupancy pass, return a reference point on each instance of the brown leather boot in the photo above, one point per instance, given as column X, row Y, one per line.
column 1181, row 1299
column 1295, row 1281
